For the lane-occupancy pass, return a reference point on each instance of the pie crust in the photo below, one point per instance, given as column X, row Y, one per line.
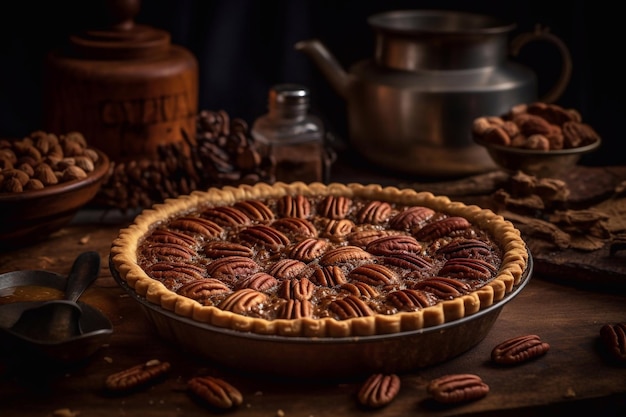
column 335, row 260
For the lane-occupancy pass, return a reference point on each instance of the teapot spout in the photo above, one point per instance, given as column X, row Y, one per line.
column 327, row 64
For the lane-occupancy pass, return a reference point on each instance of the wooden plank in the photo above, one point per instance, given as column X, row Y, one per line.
column 574, row 375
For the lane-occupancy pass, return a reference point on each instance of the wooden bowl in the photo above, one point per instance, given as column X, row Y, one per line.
column 31, row 216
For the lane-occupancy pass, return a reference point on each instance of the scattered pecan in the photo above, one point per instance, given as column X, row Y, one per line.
column 379, row 390
column 519, row 349
column 613, row 337
column 215, row 391
column 136, row 376
column 457, row 388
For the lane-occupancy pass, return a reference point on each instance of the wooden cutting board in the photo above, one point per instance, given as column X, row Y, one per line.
column 600, row 188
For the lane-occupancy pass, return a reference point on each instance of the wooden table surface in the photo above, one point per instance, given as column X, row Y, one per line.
column 574, row 375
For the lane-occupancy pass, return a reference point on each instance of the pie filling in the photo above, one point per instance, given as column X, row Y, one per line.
column 320, row 260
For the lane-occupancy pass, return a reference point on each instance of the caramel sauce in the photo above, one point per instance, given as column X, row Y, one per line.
column 29, row 293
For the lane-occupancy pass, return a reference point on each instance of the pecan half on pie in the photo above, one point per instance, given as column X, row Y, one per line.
column 314, row 260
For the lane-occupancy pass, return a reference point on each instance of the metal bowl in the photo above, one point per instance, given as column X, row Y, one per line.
column 31, row 216
column 542, row 164
column 305, row 357
column 96, row 327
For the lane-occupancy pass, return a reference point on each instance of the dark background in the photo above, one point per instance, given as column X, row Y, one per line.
column 243, row 47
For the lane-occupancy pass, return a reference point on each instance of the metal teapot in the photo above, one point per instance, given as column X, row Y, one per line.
column 411, row 107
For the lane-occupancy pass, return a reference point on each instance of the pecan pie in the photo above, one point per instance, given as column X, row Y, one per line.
column 316, row 260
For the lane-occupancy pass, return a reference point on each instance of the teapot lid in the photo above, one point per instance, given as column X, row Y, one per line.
column 438, row 22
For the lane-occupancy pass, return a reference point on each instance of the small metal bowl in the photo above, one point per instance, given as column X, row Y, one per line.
column 31, row 216
column 542, row 164
column 97, row 329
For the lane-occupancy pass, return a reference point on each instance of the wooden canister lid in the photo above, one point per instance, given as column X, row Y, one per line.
column 123, row 39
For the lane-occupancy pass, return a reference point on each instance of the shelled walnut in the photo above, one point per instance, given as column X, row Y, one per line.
column 537, row 126
column 43, row 159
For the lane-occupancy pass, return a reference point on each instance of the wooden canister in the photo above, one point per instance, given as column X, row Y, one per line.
column 127, row 88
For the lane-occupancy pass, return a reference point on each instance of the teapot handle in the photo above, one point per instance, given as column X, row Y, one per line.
column 566, row 70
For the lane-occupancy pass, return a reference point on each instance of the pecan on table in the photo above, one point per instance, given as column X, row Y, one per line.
column 379, row 390
column 136, row 376
column 457, row 388
column 519, row 349
column 613, row 337
column 215, row 391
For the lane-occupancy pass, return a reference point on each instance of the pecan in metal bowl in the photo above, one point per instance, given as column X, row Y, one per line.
column 539, row 139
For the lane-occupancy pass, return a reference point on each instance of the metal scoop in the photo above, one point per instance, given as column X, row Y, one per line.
column 60, row 329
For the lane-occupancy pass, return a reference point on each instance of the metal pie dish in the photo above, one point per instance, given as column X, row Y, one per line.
column 323, row 357
column 542, row 164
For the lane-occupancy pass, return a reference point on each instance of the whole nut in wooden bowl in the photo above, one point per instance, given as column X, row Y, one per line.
column 44, row 180
column 544, row 140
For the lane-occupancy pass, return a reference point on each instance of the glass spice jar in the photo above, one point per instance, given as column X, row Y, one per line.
column 289, row 137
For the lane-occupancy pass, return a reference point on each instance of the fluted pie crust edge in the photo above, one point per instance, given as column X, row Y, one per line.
column 514, row 262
